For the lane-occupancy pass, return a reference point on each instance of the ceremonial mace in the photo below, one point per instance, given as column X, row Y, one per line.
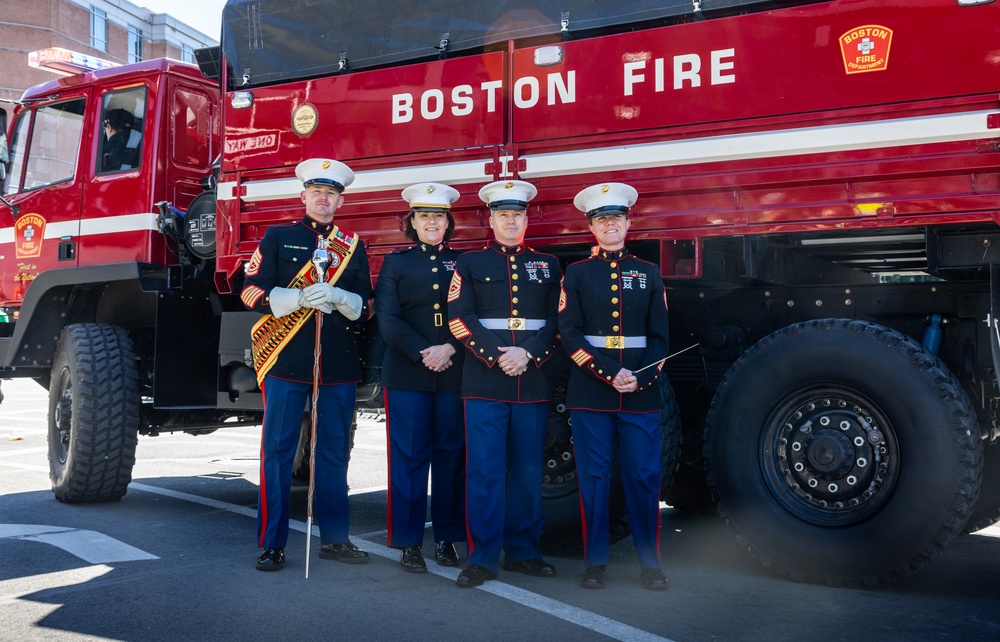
column 320, row 261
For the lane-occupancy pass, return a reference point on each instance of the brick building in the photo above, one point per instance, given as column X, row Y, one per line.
column 113, row 30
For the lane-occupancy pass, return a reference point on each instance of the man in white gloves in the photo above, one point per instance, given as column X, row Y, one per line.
column 282, row 284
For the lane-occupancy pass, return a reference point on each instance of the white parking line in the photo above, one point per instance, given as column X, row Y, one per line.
column 11, row 591
column 568, row 613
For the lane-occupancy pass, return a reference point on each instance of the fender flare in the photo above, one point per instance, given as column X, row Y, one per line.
column 49, row 305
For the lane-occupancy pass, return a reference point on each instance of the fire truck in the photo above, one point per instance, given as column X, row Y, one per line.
column 819, row 183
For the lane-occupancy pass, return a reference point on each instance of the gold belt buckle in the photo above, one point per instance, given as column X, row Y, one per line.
column 513, row 323
column 614, row 343
column 438, row 319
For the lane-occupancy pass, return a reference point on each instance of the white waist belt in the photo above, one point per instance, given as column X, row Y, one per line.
column 616, row 342
column 513, row 323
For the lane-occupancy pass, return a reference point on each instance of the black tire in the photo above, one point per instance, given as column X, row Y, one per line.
column 842, row 452
column 562, row 532
column 94, row 412
column 986, row 510
column 300, row 464
column 687, row 490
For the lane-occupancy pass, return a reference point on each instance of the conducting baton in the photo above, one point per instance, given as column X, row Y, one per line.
column 665, row 358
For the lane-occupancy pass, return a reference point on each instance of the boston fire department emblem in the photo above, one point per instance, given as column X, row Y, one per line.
column 29, row 230
column 866, row 49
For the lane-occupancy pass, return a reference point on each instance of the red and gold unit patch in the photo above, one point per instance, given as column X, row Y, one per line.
column 458, row 329
column 455, row 289
column 866, row 49
column 253, row 267
column 29, row 230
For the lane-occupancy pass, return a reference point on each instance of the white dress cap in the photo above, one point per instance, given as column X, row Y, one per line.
column 324, row 171
column 605, row 199
column 430, row 195
column 508, row 195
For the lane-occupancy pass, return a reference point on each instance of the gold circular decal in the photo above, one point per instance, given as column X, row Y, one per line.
column 304, row 119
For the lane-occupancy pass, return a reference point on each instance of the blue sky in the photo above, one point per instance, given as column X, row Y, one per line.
column 203, row 15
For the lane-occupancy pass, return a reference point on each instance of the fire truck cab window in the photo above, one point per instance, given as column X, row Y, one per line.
column 122, row 119
column 53, row 148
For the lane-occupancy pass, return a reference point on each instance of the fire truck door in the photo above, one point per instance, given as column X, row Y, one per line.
column 118, row 221
column 45, row 187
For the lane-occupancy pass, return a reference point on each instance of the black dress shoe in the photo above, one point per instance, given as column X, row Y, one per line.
column 537, row 567
column 345, row 552
column 653, row 579
column 272, row 559
column 474, row 575
column 445, row 554
column 412, row 560
column 594, row 576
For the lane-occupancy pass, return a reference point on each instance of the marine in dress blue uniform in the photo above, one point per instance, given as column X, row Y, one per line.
column 278, row 285
column 613, row 322
column 421, row 374
column 502, row 303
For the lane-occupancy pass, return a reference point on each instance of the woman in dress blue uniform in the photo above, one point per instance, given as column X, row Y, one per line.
column 421, row 373
column 281, row 284
column 502, row 303
column 612, row 322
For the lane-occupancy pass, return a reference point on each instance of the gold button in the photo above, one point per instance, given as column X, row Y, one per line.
column 512, row 259
column 614, row 328
column 514, row 289
column 480, row 351
column 437, row 306
column 472, row 343
column 614, row 288
column 434, row 258
column 513, row 313
column 434, row 269
column 614, row 276
column 615, row 314
column 608, row 378
column 613, row 264
column 614, row 299
column 514, row 300
column 513, row 276
column 487, row 278
column 436, row 286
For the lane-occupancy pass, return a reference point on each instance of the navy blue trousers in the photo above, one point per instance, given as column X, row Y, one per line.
column 505, row 450
column 425, row 430
column 284, row 403
column 638, row 435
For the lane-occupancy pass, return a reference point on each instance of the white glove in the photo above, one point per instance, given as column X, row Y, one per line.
column 320, row 293
column 284, row 301
column 351, row 306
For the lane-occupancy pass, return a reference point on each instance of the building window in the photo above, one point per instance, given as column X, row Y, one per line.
column 98, row 29
column 134, row 44
column 187, row 53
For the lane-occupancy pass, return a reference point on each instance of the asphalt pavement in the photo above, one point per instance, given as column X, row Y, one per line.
column 174, row 560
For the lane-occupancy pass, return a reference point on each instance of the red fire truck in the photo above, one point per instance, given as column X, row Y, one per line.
column 819, row 183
